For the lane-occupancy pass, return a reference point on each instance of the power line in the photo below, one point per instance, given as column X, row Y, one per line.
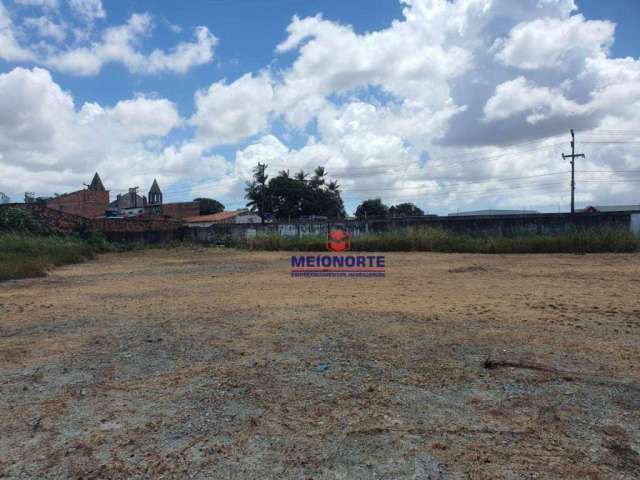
column 333, row 175
column 436, row 162
column 382, row 168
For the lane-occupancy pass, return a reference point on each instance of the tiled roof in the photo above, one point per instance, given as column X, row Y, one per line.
column 214, row 217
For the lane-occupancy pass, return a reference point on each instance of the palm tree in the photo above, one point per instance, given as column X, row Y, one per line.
column 301, row 176
column 257, row 191
column 333, row 186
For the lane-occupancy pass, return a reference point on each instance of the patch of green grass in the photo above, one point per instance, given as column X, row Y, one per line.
column 437, row 240
column 24, row 256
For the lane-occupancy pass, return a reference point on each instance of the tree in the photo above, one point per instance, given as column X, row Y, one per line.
column 209, row 206
column 372, row 208
column 291, row 197
column 405, row 210
column 287, row 197
column 333, row 206
column 31, row 198
column 301, row 176
column 257, row 192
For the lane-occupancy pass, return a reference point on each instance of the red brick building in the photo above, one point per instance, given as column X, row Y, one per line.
column 181, row 209
column 90, row 202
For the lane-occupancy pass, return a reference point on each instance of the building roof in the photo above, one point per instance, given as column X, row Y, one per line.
column 155, row 188
column 492, row 212
column 129, row 200
column 96, row 184
column 617, row 208
column 214, row 217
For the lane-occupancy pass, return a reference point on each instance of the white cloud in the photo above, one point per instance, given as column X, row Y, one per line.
column 10, row 50
column 227, row 113
column 520, row 95
column 30, row 130
column 48, row 145
column 80, row 61
column 119, row 44
column 51, row 4
column 88, row 10
column 46, row 28
column 335, row 59
column 146, row 117
column 547, row 42
column 185, row 55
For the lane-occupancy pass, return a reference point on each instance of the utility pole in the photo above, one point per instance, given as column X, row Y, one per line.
column 573, row 157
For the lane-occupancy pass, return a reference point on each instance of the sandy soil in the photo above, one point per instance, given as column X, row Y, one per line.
column 205, row 364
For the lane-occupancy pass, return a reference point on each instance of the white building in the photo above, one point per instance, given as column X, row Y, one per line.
column 239, row 216
column 4, row 199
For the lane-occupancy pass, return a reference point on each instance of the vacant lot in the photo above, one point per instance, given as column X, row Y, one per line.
column 216, row 364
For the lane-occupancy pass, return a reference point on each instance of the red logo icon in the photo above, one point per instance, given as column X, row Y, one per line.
column 338, row 241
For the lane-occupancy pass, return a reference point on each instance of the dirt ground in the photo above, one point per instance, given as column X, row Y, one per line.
column 213, row 363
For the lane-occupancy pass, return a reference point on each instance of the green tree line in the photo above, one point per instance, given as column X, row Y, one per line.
column 291, row 197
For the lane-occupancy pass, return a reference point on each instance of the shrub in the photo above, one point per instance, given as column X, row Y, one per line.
column 16, row 219
column 23, row 256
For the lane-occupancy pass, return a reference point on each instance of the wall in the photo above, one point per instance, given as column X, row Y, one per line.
column 116, row 230
column 498, row 225
column 247, row 218
column 86, row 203
column 167, row 229
column 635, row 223
column 181, row 210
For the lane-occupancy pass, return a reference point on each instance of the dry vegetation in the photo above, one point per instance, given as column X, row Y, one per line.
column 205, row 364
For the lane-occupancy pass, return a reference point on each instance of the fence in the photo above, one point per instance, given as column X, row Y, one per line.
column 165, row 230
column 150, row 230
column 495, row 225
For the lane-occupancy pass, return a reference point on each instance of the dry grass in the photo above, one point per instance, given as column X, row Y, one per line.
column 204, row 363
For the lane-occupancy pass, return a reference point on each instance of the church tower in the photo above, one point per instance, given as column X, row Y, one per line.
column 155, row 194
column 96, row 184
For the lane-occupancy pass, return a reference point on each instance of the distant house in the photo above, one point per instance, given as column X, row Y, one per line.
column 156, row 206
column 239, row 216
column 4, row 199
column 612, row 208
column 129, row 204
column 132, row 204
column 478, row 213
column 91, row 202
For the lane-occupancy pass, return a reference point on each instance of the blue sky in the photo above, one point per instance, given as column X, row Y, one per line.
column 428, row 101
column 249, row 31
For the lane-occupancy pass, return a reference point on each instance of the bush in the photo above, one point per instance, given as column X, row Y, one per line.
column 276, row 242
column 17, row 219
column 23, row 256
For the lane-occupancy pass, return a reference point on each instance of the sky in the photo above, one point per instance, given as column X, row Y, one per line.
column 452, row 105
